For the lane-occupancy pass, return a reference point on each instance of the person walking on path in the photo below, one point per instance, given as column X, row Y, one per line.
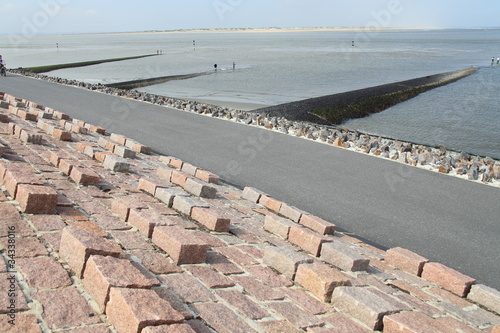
column 3, row 69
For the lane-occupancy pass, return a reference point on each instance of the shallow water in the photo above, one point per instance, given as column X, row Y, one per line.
column 274, row 68
column 463, row 116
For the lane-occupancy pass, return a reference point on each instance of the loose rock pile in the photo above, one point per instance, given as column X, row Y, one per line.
column 460, row 164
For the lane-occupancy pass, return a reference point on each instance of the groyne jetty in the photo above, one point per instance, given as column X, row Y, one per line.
column 134, row 84
column 439, row 159
column 334, row 109
column 48, row 68
column 100, row 234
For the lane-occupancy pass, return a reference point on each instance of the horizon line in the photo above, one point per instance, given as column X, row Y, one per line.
column 247, row 29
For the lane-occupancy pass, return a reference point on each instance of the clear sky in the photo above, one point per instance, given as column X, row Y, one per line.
column 74, row 16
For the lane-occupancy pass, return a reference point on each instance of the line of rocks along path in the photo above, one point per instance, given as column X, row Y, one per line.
column 448, row 220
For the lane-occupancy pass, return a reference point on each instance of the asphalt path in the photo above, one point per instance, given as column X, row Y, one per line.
column 446, row 219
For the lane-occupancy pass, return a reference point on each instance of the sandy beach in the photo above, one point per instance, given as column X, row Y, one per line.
column 262, row 30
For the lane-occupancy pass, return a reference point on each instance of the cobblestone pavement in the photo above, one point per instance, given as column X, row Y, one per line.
column 98, row 234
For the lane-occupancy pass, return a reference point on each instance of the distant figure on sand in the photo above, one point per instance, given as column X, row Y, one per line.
column 215, row 67
column 498, row 61
column 493, row 60
column 3, row 70
column 234, row 65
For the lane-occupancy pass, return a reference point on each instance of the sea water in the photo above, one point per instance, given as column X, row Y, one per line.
column 274, row 68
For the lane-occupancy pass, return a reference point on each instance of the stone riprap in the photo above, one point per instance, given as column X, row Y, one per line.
column 460, row 164
column 130, row 250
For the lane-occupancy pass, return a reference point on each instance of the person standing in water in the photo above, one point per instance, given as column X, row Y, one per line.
column 215, row 67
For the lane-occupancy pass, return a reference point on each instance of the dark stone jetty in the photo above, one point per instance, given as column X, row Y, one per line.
column 303, row 110
column 152, row 81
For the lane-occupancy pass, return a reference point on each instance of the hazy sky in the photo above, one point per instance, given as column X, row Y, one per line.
column 70, row 16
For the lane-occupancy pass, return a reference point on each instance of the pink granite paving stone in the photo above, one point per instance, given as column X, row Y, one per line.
column 307, row 301
column 43, row 273
column 103, row 273
column 278, row 225
column 36, row 199
column 200, row 189
column 320, row 279
column 131, row 310
column 364, row 305
column 341, row 323
column 181, row 245
column 123, row 205
column 207, row 176
column 65, row 308
column 131, row 240
column 110, row 222
column 210, row 277
column 415, row 322
column 93, row 208
column 278, row 326
column 237, row 256
column 270, row 203
column 222, row 264
column 448, row 278
column 317, row 224
column 188, row 288
column 306, row 239
column 78, row 245
column 213, row 219
column 88, row 226
column 257, row 289
column 285, row 260
column 486, row 296
column 84, row 176
column 71, row 214
column 47, row 222
column 53, row 240
column 150, row 185
column 157, row 262
column 146, row 220
column 268, row 276
column 221, row 318
column 243, row 304
column 406, row 260
column 173, row 299
column 176, row 328
column 295, row 315
column 339, row 254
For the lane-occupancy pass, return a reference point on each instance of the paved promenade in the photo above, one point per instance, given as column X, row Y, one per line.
column 445, row 219
column 100, row 234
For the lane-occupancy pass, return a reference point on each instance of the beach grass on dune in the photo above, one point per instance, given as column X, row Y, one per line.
column 44, row 69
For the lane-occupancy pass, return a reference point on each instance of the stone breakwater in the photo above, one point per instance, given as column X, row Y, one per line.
column 460, row 164
column 100, row 235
